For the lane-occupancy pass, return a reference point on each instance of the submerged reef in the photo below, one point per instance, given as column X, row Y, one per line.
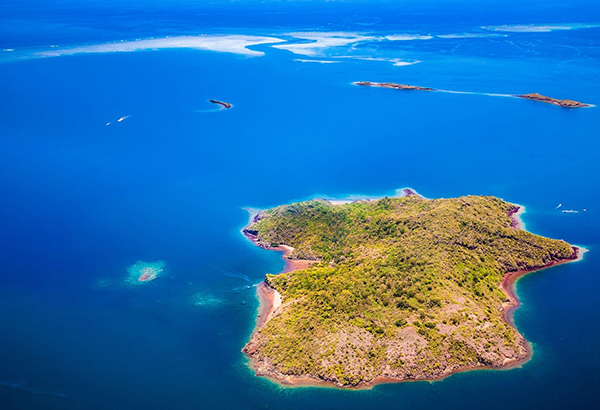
column 141, row 272
column 206, row 300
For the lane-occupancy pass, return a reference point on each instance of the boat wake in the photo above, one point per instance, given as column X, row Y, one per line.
column 212, row 110
column 233, row 274
column 123, row 118
column 475, row 93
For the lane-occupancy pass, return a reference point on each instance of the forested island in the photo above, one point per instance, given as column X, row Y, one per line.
column 399, row 289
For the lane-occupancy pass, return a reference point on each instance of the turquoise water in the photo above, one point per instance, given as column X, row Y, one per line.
column 82, row 201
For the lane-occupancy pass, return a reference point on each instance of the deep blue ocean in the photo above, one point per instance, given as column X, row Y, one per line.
column 81, row 201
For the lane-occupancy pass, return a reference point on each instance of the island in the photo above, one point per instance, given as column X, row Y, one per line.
column 550, row 100
column 394, row 86
column 221, row 103
column 391, row 290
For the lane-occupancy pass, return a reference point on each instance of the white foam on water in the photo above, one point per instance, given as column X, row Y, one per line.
column 346, row 199
column 518, row 217
column 540, row 28
column 407, row 37
column 398, row 62
column 237, row 44
column 470, row 35
column 321, row 41
column 403, row 63
column 301, row 60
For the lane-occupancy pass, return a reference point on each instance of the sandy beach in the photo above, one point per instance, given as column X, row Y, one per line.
column 269, row 298
column 516, row 220
column 270, row 301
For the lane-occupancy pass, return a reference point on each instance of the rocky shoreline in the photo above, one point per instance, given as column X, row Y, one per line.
column 271, row 305
column 554, row 101
column 509, row 280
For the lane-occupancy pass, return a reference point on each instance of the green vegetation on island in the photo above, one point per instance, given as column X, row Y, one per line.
column 402, row 288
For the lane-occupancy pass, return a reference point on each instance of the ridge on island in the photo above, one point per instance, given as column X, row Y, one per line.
column 550, row 100
column 400, row 289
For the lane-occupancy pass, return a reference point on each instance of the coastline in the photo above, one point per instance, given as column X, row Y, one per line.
column 269, row 299
column 270, row 304
column 516, row 222
column 508, row 283
column 554, row 101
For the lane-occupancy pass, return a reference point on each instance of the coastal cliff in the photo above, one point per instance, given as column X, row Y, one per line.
column 399, row 289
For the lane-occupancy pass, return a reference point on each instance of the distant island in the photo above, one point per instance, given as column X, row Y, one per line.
column 550, row 100
column 532, row 96
column 394, row 86
column 393, row 289
column 222, row 103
